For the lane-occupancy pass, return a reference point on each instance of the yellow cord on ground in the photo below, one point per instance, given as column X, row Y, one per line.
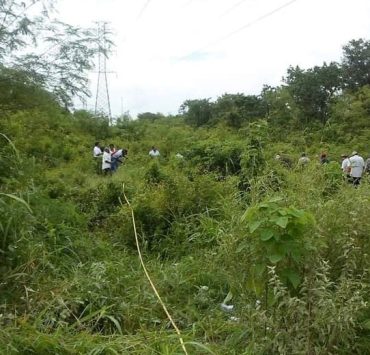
column 148, row 276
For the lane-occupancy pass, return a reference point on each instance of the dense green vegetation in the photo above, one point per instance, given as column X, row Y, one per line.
column 288, row 246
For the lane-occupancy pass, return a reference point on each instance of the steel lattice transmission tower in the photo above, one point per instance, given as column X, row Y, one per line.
column 102, row 100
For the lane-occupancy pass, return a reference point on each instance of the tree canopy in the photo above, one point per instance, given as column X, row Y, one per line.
column 54, row 54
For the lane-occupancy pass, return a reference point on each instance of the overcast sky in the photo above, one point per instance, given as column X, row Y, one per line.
column 168, row 51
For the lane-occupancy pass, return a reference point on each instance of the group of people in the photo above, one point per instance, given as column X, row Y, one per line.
column 154, row 153
column 110, row 158
column 353, row 166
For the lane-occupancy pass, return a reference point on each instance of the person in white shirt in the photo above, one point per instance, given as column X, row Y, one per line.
column 97, row 150
column 346, row 167
column 154, row 152
column 303, row 160
column 97, row 154
column 106, row 161
column 357, row 168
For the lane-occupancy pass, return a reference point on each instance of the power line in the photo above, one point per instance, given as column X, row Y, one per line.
column 258, row 19
column 143, row 10
column 188, row 3
column 261, row 18
column 232, row 8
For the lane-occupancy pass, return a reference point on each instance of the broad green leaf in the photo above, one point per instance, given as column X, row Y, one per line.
column 275, row 258
column 248, row 214
column 282, row 222
column 254, row 225
column 296, row 213
column 267, row 234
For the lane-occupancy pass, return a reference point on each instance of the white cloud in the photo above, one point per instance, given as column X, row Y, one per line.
column 182, row 49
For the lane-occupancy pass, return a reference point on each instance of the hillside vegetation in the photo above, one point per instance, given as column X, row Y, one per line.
column 226, row 225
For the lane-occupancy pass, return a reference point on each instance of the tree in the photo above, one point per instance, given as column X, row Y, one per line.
column 313, row 89
column 57, row 56
column 281, row 110
column 236, row 109
column 356, row 64
column 149, row 116
column 19, row 91
column 196, row 112
column 351, row 113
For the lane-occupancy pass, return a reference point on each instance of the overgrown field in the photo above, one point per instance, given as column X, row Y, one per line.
column 251, row 254
column 287, row 246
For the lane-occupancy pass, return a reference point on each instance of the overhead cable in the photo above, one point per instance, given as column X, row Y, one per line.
column 232, row 8
column 249, row 24
column 142, row 10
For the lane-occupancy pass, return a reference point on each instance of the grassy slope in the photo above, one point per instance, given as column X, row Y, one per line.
column 72, row 281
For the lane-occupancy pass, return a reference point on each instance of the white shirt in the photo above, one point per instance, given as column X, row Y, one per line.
column 357, row 165
column 303, row 160
column 117, row 154
column 154, row 153
column 106, row 157
column 346, row 164
column 96, row 151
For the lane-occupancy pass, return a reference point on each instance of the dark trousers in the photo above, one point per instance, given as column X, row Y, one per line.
column 356, row 181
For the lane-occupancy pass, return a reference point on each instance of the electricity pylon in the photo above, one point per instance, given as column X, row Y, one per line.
column 102, row 100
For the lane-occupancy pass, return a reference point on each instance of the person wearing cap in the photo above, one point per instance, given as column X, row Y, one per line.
column 346, row 167
column 357, row 167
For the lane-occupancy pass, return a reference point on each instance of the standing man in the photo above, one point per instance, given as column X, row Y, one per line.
column 106, row 162
column 346, row 167
column 154, row 152
column 357, row 168
column 97, row 150
column 97, row 153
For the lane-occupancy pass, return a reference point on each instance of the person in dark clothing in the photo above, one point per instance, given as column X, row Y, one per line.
column 324, row 159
